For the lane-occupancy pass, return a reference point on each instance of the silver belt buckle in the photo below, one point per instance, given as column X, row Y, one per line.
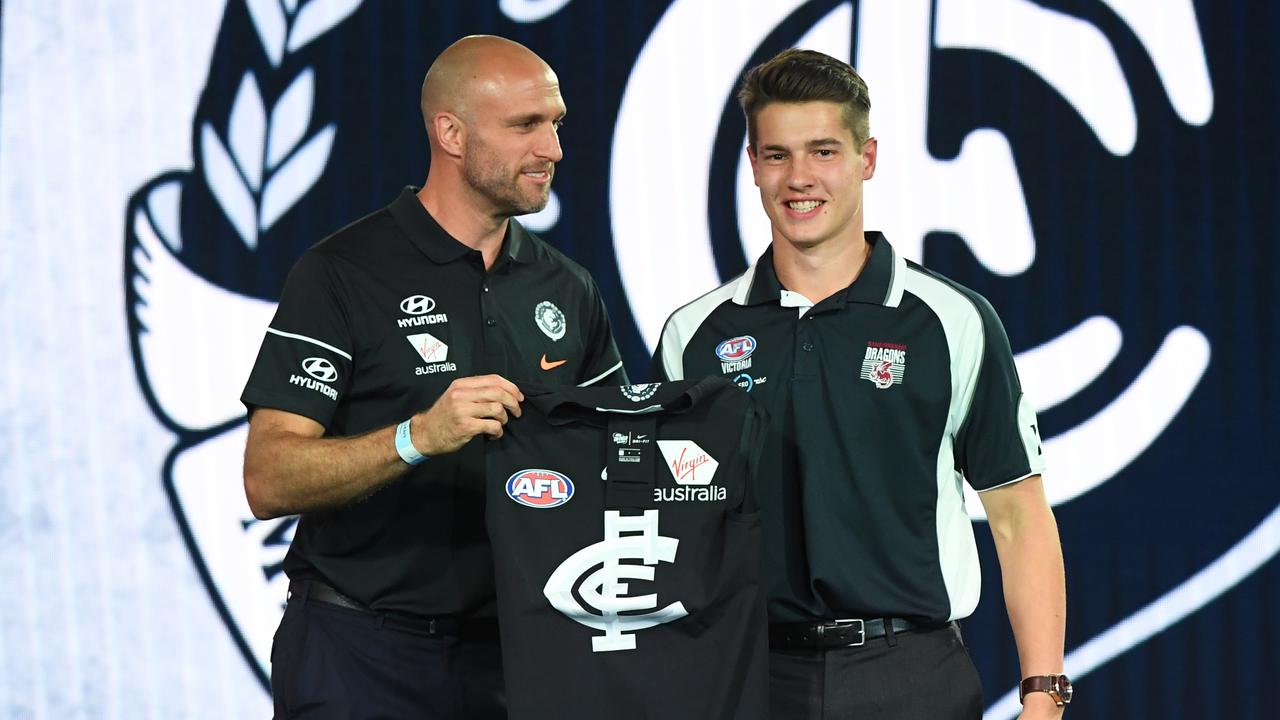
column 862, row 629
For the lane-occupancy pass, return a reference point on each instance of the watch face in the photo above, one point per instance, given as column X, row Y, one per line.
column 1065, row 688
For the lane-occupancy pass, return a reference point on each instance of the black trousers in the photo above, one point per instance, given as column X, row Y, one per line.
column 910, row 676
column 331, row 662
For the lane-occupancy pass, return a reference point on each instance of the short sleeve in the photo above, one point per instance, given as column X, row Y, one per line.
column 665, row 365
column 304, row 365
column 999, row 440
column 602, row 363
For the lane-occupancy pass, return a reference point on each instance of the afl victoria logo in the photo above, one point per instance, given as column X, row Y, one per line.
column 538, row 488
column 320, row 369
column 417, row 305
column 736, row 349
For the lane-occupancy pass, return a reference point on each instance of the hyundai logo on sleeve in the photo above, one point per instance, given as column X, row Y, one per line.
column 320, row 369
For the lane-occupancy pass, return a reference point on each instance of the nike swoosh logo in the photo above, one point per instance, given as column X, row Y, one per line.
column 546, row 365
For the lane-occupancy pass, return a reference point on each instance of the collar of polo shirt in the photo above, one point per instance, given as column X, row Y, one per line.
column 434, row 242
column 879, row 283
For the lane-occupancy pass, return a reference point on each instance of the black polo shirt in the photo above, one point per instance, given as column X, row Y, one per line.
column 373, row 325
column 884, row 398
column 627, row 549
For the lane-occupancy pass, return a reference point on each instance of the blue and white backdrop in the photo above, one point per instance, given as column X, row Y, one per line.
column 1105, row 171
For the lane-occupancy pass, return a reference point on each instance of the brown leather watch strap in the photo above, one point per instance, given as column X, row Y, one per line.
column 1057, row 686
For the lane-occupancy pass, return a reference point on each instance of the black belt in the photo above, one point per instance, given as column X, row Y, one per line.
column 462, row 628
column 836, row 633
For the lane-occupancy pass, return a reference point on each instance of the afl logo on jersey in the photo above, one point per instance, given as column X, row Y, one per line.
column 540, row 488
column 736, row 349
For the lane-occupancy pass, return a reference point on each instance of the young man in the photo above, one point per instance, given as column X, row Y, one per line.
column 889, row 385
column 393, row 349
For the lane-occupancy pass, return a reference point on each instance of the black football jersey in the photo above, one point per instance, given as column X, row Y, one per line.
column 627, row 550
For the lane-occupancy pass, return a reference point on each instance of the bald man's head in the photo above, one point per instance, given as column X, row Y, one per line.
column 492, row 110
column 479, row 68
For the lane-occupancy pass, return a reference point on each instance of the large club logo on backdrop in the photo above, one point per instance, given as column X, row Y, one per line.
column 976, row 196
column 270, row 139
column 194, row 340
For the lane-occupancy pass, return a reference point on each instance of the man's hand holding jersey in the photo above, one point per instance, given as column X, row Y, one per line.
column 290, row 467
column 471, row 406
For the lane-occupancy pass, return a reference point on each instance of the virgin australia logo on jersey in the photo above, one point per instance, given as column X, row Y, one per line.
column 693, row 469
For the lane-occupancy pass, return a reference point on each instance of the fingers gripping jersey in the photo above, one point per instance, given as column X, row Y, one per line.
column 627, row 552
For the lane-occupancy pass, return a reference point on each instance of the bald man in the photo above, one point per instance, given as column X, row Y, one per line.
column 392, row 354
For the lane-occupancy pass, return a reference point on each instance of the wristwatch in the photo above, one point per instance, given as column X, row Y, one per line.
column 1058, row 687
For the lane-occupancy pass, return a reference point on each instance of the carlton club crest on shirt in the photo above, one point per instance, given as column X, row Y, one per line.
column 550, row 319
column 884, row 364
column 639, row 393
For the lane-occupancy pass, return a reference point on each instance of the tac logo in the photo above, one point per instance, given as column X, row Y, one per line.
column 320, row 369
column 736, row 349
column 747, row 382
column 598, row 575
column 417, row 305
column 537, row 488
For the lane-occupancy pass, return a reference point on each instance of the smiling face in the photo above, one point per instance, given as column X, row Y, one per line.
column 810, row 172
column 513, row 142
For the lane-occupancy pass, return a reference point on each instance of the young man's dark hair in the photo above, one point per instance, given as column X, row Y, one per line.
column 797, row 76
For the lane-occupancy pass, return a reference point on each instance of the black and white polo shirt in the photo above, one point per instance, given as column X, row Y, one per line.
column 884, row 398
column 373, row 325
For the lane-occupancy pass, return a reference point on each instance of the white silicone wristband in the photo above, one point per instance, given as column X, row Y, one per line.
column 404, row 445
